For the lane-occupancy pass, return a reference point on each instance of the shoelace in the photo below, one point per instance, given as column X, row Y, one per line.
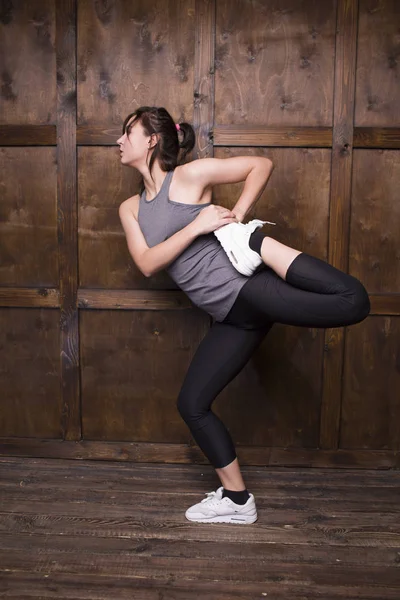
column 244, row 226
column 210, row 496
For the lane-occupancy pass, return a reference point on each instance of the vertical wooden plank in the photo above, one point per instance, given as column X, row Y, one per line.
column 203, row 108
column 204, row 91
column 66, row 17
column 339, row 223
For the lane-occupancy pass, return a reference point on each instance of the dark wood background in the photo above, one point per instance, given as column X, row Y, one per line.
column 92, row 353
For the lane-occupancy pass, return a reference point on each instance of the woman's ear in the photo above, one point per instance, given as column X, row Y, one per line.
column 154, row 141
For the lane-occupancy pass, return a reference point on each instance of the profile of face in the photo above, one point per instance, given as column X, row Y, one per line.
column 134, row 143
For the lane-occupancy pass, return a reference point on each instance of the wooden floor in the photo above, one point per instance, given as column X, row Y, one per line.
column 110, row 530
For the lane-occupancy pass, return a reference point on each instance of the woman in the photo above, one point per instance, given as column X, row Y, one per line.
column 282, row 285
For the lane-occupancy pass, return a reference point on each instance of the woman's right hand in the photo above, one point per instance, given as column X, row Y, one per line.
column 213, row 217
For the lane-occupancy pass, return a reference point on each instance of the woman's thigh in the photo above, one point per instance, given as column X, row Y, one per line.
column 220, row 356
column 268, row 297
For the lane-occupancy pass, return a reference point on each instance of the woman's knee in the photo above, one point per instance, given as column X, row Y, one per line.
column 189, row 407
column 361, row 305
column 182, row 404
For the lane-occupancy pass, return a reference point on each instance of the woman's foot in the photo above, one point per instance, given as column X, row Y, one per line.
column 216, row 509
column 234, row 238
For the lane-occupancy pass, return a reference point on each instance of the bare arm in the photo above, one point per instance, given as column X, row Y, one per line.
column 152, row 260
column 254, row 170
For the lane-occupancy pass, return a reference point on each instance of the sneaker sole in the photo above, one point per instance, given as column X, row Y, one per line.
column 238, row 258
column 235, row 520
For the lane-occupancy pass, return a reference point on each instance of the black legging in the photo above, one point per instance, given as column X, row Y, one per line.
column 315, row 294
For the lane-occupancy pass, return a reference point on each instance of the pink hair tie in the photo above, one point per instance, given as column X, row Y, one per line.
column 177, row 126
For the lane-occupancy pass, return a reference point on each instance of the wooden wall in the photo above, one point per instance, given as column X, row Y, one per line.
column 92, row 353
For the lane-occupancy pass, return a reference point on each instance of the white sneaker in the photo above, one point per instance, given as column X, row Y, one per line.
column 215, row 509
column 234, row 238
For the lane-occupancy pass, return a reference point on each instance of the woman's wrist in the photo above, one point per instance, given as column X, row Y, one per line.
column 239, row 216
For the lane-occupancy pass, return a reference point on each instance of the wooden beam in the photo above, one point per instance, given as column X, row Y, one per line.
column 190, row 453
column 66, row 14
column 115, row 299
column 290, row 137
column 220, row 135
column 203, row 93
column 339, row 218
column 28, row 135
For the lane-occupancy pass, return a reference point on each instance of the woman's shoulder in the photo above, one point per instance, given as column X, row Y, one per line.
column 186, row 188
column 133, row 204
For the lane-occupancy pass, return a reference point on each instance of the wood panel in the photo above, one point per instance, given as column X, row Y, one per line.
column 275, row 401
column 28, row 227
column 274, row 62
column 374, row 255
column 377, row 79
column 296, row 198
column 31, row 401
column 133, row 365
column 370, row 415
column 27, row 48
column 131, row 54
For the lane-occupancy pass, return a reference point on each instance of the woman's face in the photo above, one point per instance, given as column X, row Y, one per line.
column 134, row 144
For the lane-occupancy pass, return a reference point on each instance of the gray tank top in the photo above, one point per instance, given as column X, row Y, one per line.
column 203, row 271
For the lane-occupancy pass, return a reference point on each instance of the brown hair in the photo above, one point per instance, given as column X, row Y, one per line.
column 158, row 120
